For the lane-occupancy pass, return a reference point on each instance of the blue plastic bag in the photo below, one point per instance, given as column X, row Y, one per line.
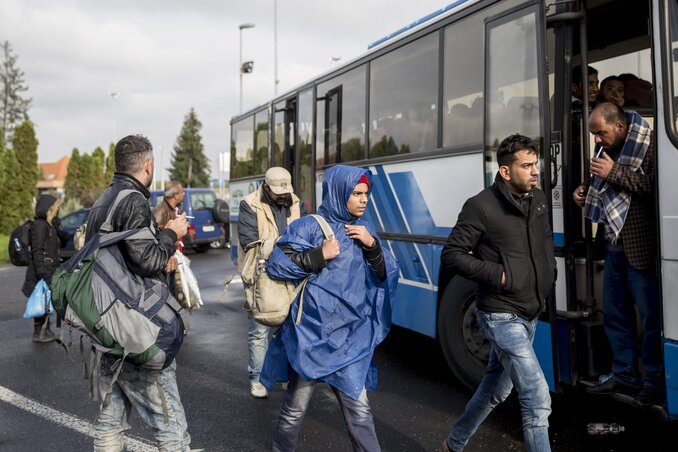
column 40, row 301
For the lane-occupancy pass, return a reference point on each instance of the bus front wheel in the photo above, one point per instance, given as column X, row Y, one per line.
column 466, row 350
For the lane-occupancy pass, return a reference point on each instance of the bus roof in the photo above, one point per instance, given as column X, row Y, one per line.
column 402, row 33
column 418, row 22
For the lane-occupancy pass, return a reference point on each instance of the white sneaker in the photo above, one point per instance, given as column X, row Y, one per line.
column 257, row 390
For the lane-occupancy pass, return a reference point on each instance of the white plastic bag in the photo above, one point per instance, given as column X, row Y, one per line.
column 189, row 285
column 40, row 301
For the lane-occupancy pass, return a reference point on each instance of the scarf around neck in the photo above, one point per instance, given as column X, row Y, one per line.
column 606, row 204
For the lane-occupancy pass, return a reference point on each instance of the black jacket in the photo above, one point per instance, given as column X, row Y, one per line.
column 45, row 242
column 503, row 238
column 143, row 257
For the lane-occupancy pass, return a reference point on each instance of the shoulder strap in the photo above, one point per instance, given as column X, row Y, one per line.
column 327, row 230
column 107, row 226
column 329, row 235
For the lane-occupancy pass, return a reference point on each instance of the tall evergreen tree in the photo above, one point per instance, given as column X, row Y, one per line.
column 99, row 161
column 190, row 166
column 13, row 106
column 9, row 201
column 72, row 184
column 110, row 164
column 25, row 147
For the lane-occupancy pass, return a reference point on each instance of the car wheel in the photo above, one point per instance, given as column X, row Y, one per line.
column 203, row 248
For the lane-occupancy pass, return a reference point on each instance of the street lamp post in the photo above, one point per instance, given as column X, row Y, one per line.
column 241, row 67
column 275, row 48
column 113, row 95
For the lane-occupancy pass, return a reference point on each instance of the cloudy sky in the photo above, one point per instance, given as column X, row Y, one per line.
column 163, row 57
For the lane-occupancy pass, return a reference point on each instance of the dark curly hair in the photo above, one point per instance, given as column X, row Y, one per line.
column 131, row 152
column 512, row 144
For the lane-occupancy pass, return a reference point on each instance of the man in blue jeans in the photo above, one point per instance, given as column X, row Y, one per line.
column 264, row 214
column 153, row 394
column 620, row 198
column 342, row 314
column 503, row 242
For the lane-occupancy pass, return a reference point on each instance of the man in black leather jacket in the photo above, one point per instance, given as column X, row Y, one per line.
column 503, row 242
column 154, row 394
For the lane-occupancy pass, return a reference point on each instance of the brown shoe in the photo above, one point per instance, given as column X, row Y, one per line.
column 444, row 447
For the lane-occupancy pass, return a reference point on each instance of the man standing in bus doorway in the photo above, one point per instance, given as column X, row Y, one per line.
column 620, row 198
column 506, row 226
column 264, row 214
column 577, row 88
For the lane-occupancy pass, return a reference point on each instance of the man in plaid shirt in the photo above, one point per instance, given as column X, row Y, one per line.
column 621, row 199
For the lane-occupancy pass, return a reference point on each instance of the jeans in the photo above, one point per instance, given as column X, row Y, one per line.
column 512, row 363
column 357, row 415
column 624, row 286
column 140, row 388
column 257, row 343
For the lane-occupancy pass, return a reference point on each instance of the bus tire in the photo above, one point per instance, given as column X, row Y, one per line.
column 465, row 349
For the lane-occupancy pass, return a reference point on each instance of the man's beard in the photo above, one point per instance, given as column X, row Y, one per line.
column 284, row 201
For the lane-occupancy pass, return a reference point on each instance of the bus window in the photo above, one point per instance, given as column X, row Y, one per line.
column 242, row 148
column 512, row 87
column 403, row 99
column 463, row 85
column 261, row 142
column 340, row 118
column 278, row 135
column 304, row 174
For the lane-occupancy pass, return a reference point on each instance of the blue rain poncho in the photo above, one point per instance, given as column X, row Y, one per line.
column 346, row 309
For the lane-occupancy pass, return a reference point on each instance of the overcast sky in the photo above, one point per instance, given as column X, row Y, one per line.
column 163, row 57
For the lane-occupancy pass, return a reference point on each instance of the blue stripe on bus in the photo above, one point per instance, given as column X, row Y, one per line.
column 385, row 203
column 544, row 351
column 558, row 239
column 671, row 369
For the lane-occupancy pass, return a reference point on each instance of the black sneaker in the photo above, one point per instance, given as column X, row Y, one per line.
column 612, row 386
column 650, row 396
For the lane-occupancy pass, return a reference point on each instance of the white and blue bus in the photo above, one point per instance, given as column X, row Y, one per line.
column 424, row 110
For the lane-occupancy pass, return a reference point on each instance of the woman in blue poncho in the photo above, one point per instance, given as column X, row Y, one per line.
column 346, row 310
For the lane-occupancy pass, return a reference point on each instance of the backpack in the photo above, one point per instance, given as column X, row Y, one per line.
column 79, row 237
column 125, row 315
column 268, row 300
column 19, row 248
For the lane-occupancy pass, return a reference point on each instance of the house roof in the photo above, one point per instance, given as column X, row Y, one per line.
column 54, row 174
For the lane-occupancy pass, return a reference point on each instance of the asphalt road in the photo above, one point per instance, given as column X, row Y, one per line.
column 44, row 404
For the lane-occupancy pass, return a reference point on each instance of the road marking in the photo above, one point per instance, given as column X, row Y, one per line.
column 67, row 420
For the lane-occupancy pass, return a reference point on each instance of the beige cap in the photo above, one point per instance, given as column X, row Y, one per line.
column 279, row 180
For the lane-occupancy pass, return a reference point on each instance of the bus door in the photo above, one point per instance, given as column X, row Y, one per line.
column 285, row 123
column 332, row 127
column 303, row 161
column 516, row 101
column 578, row 290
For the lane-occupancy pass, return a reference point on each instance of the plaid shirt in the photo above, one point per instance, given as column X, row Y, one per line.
column 639, row 231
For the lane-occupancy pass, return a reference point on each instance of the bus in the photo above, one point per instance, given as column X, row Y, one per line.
column 425, row 108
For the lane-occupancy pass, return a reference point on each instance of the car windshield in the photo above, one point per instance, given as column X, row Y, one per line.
column 203, row 200
column 74, row 220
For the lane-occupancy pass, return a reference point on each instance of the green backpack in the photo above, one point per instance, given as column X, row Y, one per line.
column 126, row 316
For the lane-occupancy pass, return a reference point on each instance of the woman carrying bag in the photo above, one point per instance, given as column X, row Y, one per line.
column 46, row 238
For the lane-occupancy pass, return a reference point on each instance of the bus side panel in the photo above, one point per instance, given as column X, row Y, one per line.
column 544, row 350
column 671, row 367
column 415, row 308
